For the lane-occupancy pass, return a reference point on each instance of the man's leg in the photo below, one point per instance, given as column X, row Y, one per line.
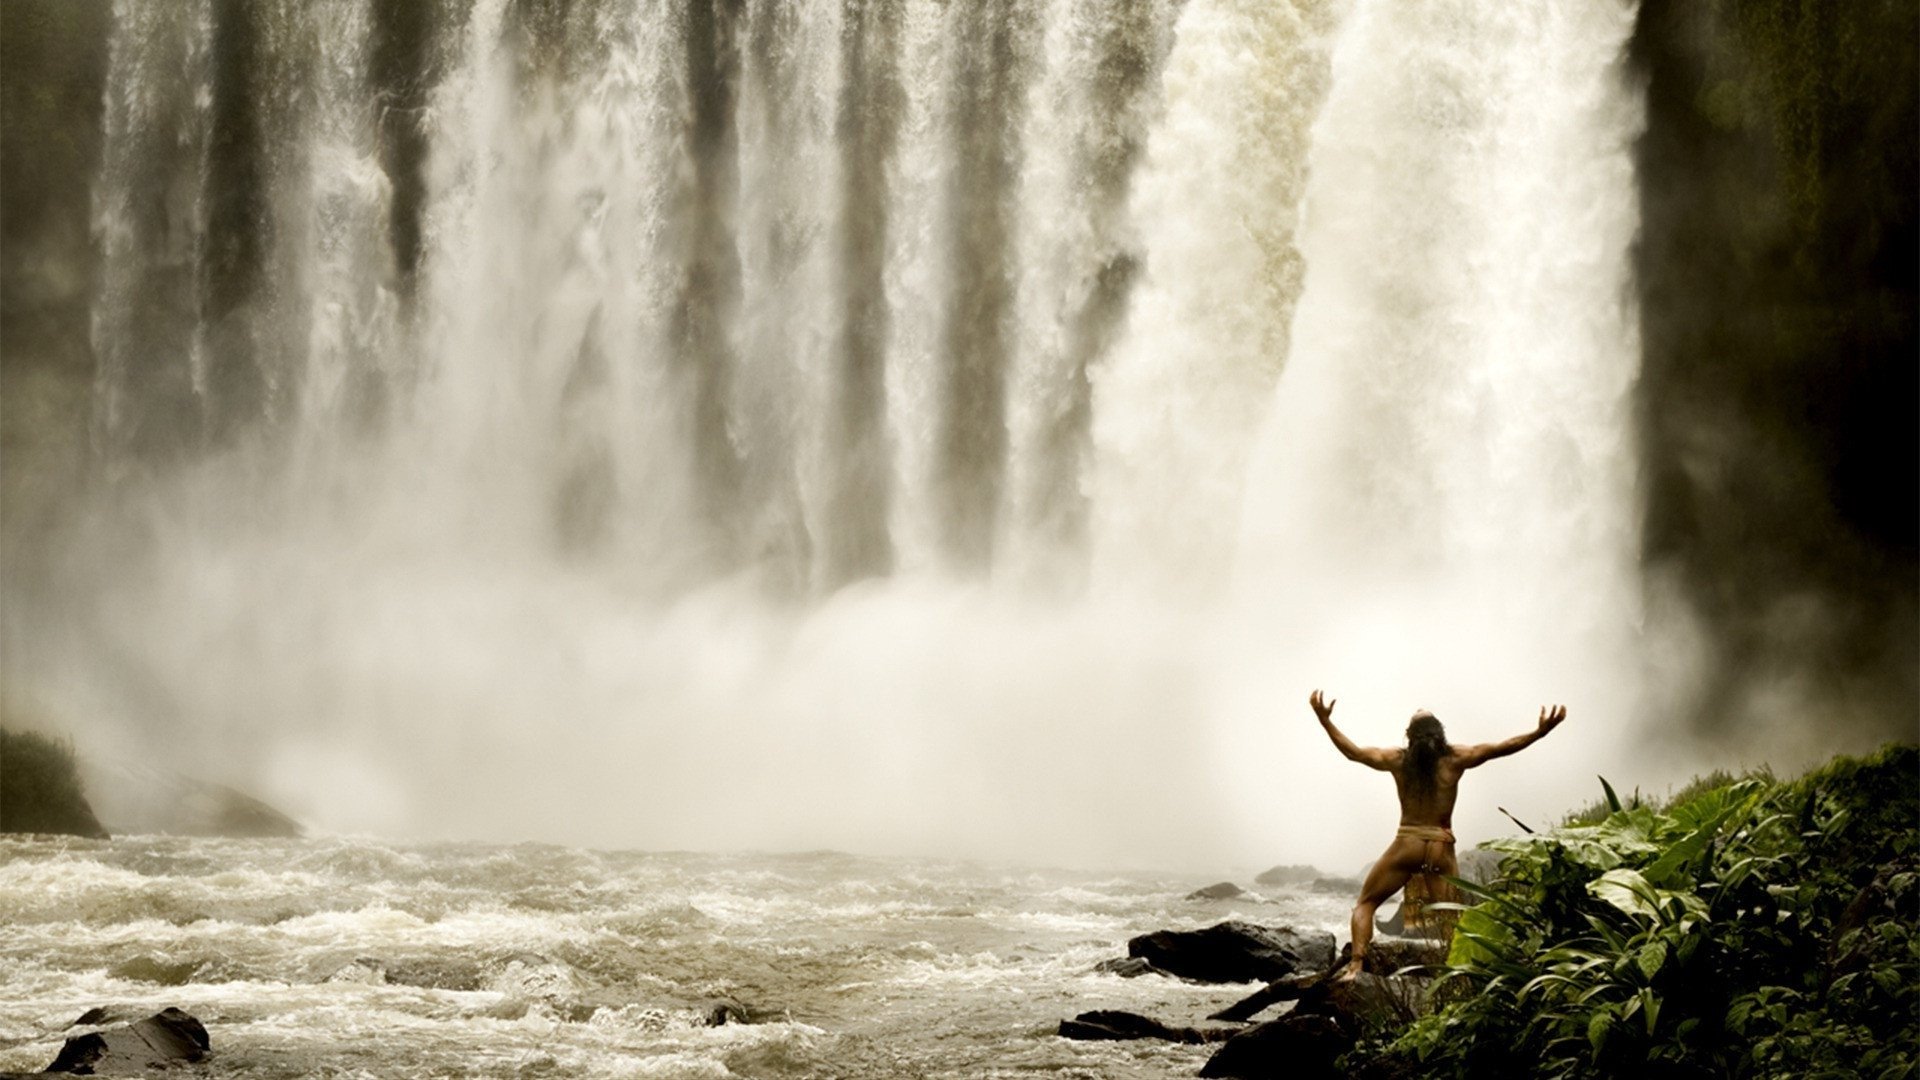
column 1387, row 877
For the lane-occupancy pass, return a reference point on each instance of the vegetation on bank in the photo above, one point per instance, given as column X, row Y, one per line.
column 1749, row 928
column 40, row 788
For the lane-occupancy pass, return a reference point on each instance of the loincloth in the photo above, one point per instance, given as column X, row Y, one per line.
column 1427, row 885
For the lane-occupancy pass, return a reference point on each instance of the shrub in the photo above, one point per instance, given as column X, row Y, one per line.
column 1750, row 929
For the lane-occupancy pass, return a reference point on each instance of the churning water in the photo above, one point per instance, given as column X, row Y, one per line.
column 350, row 959
column 945, row 428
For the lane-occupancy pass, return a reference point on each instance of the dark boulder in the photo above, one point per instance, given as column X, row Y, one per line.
column 1295, row 1047
column 721, row 1011
column 1223, row 890
column 1366, row 1001
column 1234, row 951
column 167, row 1038
column 1367, row 997
column 1115, row 1025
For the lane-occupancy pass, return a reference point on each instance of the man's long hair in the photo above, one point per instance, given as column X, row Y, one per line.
column 1426, row 745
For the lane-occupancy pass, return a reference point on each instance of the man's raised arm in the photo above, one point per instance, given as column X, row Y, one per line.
column 1370, row 756
column 1470, row 756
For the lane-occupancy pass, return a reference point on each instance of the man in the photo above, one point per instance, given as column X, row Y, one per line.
column 1427, row 774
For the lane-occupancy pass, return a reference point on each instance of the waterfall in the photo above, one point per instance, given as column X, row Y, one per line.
column 1442, row 509
column 794, row 410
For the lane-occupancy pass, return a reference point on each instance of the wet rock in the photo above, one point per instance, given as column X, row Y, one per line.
column 1234, row 951
column 1289, row 988
column 167, row 1038
column 1379, row 990
column 1109, row 1025
column 1127, row 967
column 721, row 1011
column 1368, row 1000
column 436, row 974
column 1326, row 1021
column 1288, row 875
column 1294, row 1046
column 1223, row 890
column 529, row 979
column 1339, row 886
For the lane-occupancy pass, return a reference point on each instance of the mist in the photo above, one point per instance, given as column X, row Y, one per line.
column 962, row 430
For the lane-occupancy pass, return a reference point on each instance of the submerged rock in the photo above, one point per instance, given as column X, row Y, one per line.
column 437, row 973
column 722, row 1011
column 1116, row 1025
column 365, row 970
column 167, row 1038
column 153, row 969
column 1127, row 967
column 1223, row 890
column 1234, row 951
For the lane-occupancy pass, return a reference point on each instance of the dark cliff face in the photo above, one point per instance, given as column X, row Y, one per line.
column 1777, row 288
column 53, row 63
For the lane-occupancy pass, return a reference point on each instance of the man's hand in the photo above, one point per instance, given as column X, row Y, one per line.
column 1551, row 716
column 1322, row 707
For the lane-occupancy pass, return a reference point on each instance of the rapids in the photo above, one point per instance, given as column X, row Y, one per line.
column 349, row 958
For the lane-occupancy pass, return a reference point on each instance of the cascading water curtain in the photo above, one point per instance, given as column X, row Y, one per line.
column 661, row 367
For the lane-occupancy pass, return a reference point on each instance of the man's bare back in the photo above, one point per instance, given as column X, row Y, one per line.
column 1426, row 773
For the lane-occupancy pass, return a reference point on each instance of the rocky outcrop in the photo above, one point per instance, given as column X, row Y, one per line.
column 134, row 798
column 1234, row 951
column 165, row 1039
column 1287, row 875
column 40, row 789
column 1328, row 1018
column 1294, row 1046
column 1220, row 890
column 722, row 1011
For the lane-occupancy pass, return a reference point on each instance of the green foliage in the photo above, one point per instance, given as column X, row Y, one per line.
column 1749, row 929
column 1597, row 811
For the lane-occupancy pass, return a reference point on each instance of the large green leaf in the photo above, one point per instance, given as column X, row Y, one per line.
column 1626, row 890
column 1653, row 956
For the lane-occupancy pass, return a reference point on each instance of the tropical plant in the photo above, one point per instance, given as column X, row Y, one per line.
column 1750, row 929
